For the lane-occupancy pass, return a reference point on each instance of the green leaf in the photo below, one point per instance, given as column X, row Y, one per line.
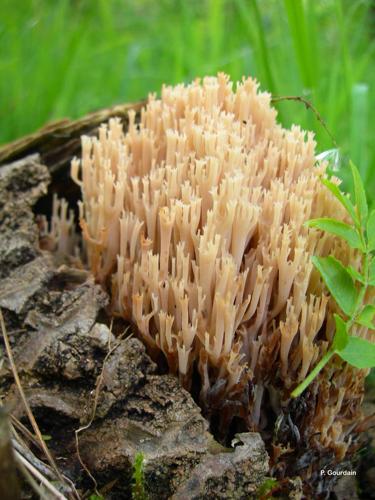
column 267, row 486
column 359, row 353
column 359, row 193
column 338, row 228
column 343, row 199
column 366, row 317
column 338, row 281
column 372, row 272
column 371, row 231
column 341, row 337
column 357, row 276
column 138, row 487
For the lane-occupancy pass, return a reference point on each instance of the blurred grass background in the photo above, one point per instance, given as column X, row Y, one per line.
column 63, row 58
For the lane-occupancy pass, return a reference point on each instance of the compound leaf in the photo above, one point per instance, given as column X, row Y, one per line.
column 358, row 352
column 341, row 335
column 343, row 199
column 338, row 281
column 366, row 317
column 338, row 228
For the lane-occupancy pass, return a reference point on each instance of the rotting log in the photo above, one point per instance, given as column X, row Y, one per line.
column 57, row 143
column 9, row 482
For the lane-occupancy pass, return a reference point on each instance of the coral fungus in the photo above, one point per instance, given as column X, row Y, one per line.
column 194, row 218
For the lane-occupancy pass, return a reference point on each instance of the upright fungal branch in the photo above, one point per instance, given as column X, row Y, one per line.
column 194, row 218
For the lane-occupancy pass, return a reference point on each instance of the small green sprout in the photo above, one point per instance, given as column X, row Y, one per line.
column 138, row 477
column 348, row 286
column 266, row 488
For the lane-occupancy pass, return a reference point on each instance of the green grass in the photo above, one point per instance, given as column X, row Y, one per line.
column 67, row 57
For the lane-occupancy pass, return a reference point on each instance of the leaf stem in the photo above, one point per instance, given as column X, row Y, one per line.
column 365, row 271
column 357, row 311
column 301, row 387
column 353, row 305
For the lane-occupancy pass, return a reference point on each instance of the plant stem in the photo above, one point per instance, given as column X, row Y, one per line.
column 362, row 293
column 357, row 311
column 365, row 274
column 301, row 387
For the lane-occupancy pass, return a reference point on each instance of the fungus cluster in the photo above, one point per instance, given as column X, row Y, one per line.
column 59, row 235
column 194, row 219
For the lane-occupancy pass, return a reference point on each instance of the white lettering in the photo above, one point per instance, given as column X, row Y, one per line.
column 331, row 472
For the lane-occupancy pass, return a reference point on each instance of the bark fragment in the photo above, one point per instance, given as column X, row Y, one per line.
column 236, row 474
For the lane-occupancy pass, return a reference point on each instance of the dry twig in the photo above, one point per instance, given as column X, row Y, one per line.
column 98, row 385
column 31, row 417
column 9, row 484
column 30, row 479
column 47, row 484
column 308, row 105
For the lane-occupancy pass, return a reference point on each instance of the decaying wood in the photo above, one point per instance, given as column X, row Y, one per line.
column 58, row 141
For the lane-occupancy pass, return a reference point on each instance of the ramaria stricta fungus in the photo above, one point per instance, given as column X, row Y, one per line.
column 194, row 219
